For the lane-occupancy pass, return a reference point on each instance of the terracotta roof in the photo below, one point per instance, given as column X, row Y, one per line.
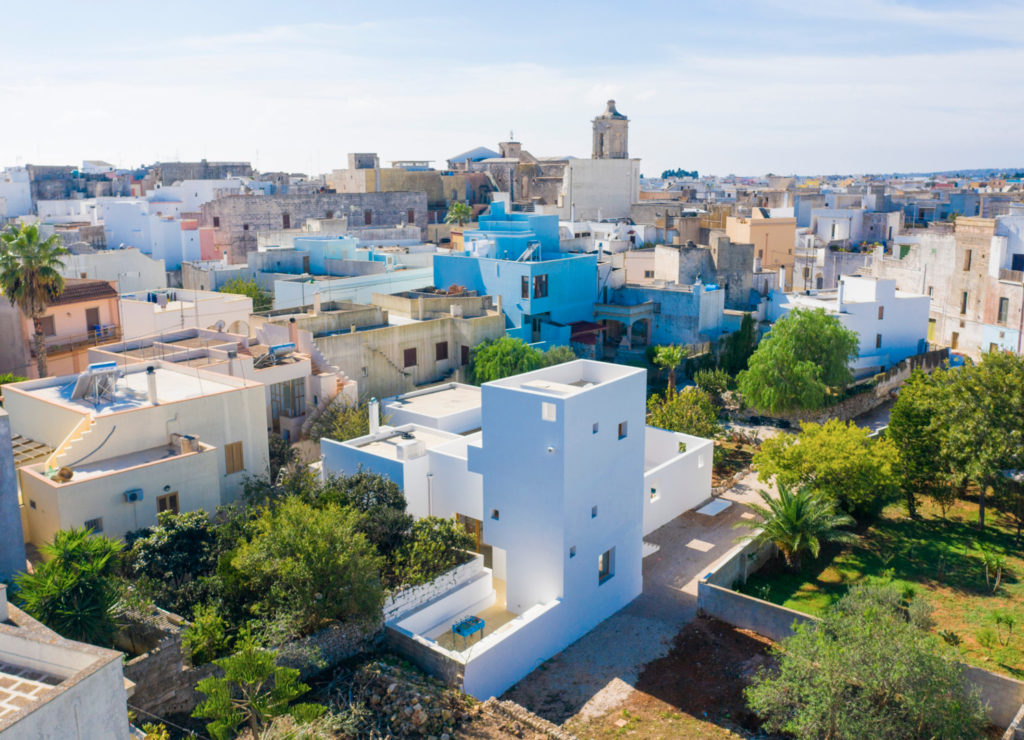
column 77, row 290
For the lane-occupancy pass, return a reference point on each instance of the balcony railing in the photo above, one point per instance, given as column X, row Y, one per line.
column 69, row 343
column 1013, row 276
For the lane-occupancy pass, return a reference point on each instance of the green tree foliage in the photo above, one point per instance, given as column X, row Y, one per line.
column 261, row 299
column 458, row 213
column 169, row 559
column 802, row 361
column 253, row 690
column 502, row 357
column 75, row 589
column 557, row 355
column 669, row 357
column 713, row 382
column 866, row 670
column 836, row 459
column 679, row 173
column 735, row 349
column 797, row 522
column 206, row 638
column 30, row 278
column 302, row 567
column 984, row 421
column 690, row 411
column 10, row 378
column 434, row 546
column 341, row 421
column 282, row 454
column 915, row 427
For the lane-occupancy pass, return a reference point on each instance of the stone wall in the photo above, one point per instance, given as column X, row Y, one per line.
column 235, row 219
column 399, row 604
column 518, row 713
column 433, row 662
column 163, row 683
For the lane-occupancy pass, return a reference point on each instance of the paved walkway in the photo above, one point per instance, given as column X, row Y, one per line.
column 597, row 673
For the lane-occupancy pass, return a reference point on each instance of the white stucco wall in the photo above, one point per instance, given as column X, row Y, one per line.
column 679, row 483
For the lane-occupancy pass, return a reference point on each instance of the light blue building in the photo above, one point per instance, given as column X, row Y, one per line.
column 515, row 256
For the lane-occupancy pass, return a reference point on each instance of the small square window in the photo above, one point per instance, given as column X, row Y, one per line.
column 245, row 227
column 605, row 565
column 572, row 551
column 216, row 222
column 409, row 357
column 593, row 512
column 495, row 514
column 596, row 426
column 441, row 351
column 548, row 411
column 96, row 525
column 654, row 494
column 32, row 503
column 622, row 429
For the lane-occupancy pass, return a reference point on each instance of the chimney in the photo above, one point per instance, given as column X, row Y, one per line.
column 316, row 303
column 293, row 331
column 374, row 407
column 3, row 603
column 839, row 295
column 151, row 385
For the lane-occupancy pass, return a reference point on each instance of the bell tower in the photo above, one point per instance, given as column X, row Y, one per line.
column 611, row 134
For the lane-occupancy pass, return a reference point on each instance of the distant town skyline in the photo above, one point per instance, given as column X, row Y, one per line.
column 745, row 87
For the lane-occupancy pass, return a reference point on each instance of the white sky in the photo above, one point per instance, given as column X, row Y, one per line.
column 748, row 87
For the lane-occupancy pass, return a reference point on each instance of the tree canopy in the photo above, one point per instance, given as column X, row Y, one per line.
column 669, row 357
column 801, row 362
column 30, row 277
column 837, row 460
column 868, row 669
column 261, row 299
column 735, row 349
column 458, row 213
column 679, row 173
column 690, row 411
column 505, row 356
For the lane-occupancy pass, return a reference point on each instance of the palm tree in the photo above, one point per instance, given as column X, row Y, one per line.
column 797, row 522
column 669, row 357
column 74, row 590
column 458, row 213
column 30, row 278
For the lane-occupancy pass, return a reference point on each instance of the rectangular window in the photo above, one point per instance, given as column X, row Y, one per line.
column 963, row 303
column 286, row 221
column 605, row 565
column 233, row 459
column 96, row 525
column 409, row 357
column 441, row 351
column 993, row 347
column 931, row 289
column 526, row 286
column 648, row 273
column 216, row 222
column 495, row 514
column 572, row 551
column 245, row 227
column 654, row 494
column 967, row 259
column 288, row 398
column 878, row 341
column 47, row 327
column 540, row 286
column 167, row 502
column 1004, row 310
column 548, row 411
column 596, row 427
column 367, row 217
column 410, row 216
column 881, row 312
column 593, row 512
column 465, row 354
column 622, row 430
column 954, row 340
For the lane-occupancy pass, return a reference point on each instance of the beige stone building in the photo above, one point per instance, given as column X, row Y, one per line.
column 773, row 239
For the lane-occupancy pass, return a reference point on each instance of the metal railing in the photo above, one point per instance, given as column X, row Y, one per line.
column 60, row 344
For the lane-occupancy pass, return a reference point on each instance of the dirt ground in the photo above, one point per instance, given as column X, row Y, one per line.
column 695, row 691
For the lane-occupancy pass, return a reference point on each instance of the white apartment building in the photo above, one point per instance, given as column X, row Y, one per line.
column 559, row 478
column 128, row 269
column 891, row 324
column 51, row 687
column 147, row 312
column 128, row 442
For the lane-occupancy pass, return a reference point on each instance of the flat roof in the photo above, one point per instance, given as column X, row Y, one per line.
column 387, row 446
column 131, row 390
column 568, row 378
column 21, row 687
column 437, row 403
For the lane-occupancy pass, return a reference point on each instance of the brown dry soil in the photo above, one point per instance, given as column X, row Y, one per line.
column 696, row 691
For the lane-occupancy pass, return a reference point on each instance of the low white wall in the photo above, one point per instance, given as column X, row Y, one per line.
column 399, row 604
column 680, row 483
column 470, row 597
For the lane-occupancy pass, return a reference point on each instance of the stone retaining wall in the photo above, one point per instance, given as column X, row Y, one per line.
column 433, row 662
column 522, row 715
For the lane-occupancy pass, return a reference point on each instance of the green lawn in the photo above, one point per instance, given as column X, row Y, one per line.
column 939, row 559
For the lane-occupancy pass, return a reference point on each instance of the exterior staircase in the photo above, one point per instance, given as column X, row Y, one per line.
column 74, row 445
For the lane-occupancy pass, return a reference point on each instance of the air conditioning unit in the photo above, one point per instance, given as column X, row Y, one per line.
column 132, row 495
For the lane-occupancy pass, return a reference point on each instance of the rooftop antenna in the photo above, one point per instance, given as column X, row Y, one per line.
column 511, row 135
